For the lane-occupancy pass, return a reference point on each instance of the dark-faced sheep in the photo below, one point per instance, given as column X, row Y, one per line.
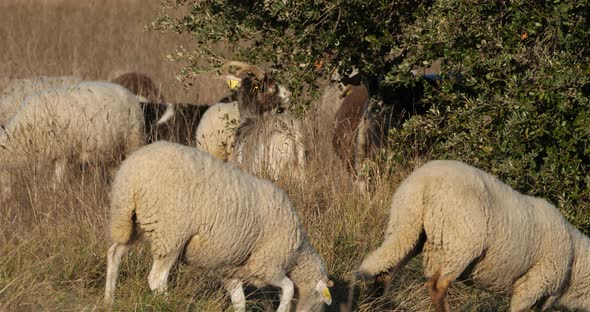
column 268, row 140
column 153, row 103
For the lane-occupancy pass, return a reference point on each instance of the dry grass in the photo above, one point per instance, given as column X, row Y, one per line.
column 53, row 243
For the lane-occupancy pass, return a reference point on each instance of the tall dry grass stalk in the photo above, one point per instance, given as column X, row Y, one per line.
column 94, row 39
column 53, row 243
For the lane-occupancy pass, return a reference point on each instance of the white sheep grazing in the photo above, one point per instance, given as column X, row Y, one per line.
column 216, row 131
column 471, row 225
column 272, row 145
column 223, row 219
column 90, row 122
column 16, row 91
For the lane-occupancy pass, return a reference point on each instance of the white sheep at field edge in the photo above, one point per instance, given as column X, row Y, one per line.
column 223, row 219
column 470, row 224
column 94, row 122
column 16, row 91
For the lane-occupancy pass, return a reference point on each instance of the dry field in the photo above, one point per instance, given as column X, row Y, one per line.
column 53, row 243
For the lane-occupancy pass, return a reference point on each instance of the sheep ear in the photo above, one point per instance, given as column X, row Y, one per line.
column 323, row 290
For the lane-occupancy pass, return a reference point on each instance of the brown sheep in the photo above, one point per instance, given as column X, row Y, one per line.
column 355, row 102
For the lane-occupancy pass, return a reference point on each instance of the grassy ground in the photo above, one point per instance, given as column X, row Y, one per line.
column 53, row 243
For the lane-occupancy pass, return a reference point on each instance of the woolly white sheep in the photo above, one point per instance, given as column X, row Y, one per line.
column 470, row 224
column 16, row 91
column 89, row 122
column 245, row 229
column 216, row 131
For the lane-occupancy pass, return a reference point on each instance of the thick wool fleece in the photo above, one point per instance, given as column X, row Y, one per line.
column 15, row 92
column 512, row 243
column 215, row 133
column 226, row 220
column 91, row 121
column 272, row 145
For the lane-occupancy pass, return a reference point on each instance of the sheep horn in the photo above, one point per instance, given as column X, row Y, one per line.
column 244, row 67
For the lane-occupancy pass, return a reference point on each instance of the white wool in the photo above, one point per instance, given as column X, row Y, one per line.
column 462, row 217
column 15, row 92
column 216, row 131
column 243, row 228
column 89, row 122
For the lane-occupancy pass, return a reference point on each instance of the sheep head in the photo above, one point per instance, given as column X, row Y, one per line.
column 257, row 92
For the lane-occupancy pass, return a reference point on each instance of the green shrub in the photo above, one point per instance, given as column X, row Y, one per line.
column 514, row 102
column 305, row 39
column 520, row 107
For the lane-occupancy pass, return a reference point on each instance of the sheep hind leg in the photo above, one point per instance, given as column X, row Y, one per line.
column 158, row 278
column 437, row 289
column 114, row 256
column 236, row 293
column 529, row 292
column 287, row 292
column 445, row 275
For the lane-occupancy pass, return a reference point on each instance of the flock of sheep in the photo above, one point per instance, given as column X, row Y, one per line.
column 194, row 202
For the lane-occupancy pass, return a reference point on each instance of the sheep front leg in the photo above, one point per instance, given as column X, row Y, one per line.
column 5, row 185
column 114, row 256
column 158, row 279
column 236, row 293
column 288, row 290
column 60, row 168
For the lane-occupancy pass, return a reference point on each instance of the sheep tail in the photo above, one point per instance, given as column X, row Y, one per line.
column 168, row 113
column 405, row 236
column 122, row 227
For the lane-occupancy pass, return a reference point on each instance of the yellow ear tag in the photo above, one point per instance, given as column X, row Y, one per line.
column 326, row 294
column 348, row 92
column 232, row 83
